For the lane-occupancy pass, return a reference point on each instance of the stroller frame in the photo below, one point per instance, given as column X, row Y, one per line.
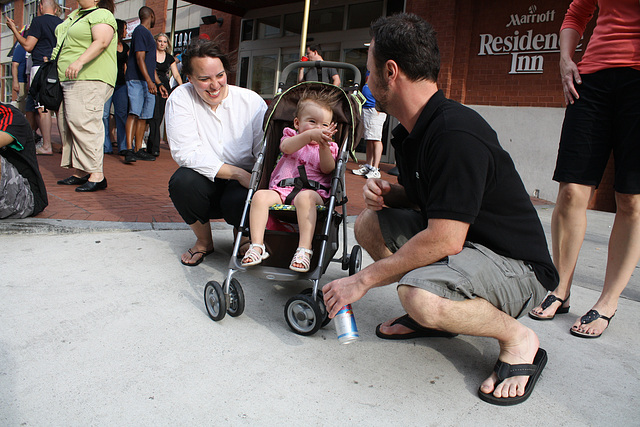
column 305, row 313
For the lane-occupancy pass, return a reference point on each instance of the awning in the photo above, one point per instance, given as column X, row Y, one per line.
column 240, row 7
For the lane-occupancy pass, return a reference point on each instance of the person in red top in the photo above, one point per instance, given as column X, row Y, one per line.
column 602, row 93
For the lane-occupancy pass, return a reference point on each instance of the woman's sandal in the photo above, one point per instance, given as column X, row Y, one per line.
column 550, row 299
column 253, row 257
column 591, row 316
column 302, row 256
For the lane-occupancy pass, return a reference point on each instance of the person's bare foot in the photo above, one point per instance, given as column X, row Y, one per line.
column 396, row 329
column 44, row 152
column 552, row 309
column 596, row 327
column 194, row 255
column 521, row 351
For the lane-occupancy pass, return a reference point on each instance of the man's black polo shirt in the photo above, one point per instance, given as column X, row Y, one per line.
column 453, row 167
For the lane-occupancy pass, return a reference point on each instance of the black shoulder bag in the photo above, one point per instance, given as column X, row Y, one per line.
column 45, row 88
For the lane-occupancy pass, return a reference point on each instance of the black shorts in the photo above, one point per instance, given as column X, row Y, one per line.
column 606, row 117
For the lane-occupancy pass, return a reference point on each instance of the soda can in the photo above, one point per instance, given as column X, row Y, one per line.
column 346, row 325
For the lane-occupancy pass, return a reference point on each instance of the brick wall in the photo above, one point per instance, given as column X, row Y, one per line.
column 466, row 28
column 160, row 9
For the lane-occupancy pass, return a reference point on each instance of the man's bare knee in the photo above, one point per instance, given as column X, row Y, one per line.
column 628, row 204
column 369, row 236
column 423, row 306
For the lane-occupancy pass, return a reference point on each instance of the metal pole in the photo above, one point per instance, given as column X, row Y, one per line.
column 173, row 27
column 305, row 24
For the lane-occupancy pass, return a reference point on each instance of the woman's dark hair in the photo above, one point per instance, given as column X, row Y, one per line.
column 122, row 25
column 107, row 4
column 410, row 42
column 200, row 48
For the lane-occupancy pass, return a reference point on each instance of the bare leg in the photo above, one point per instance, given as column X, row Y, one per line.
column 374, row 153
column 259, row 213
column 141, row 127
column 130, row 127
column 305, row 203
column 622, row 258
column 369, row 236
column 568, row 227
column 204, row 241
column 44, row 122
column 476, row 317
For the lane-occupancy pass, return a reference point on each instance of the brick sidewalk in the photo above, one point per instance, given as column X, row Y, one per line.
column 138, row 192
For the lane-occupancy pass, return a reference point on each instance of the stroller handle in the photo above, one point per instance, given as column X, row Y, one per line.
column 322, row 64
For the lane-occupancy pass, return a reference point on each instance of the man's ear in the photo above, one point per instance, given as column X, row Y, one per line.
column 391, row 70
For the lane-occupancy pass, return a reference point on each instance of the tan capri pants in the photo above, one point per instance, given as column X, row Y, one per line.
column 81, row 126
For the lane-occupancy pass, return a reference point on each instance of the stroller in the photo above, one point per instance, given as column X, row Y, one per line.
column 305, row 313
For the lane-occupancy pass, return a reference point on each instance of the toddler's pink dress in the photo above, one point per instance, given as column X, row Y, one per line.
column 309, row 156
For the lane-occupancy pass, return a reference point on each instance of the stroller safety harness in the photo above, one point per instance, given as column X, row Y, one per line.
column 299, row 183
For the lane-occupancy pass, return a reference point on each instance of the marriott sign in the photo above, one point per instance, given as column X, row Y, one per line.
column 526, row 47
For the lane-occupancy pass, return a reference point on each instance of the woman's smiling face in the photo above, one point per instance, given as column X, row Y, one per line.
column 209, row 78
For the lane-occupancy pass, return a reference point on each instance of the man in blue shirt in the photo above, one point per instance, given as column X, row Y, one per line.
column 141, row 66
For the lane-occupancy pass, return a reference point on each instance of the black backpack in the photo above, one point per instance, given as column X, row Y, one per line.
column 45, row 88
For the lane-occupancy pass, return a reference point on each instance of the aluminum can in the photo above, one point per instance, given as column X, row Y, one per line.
column 346, row 325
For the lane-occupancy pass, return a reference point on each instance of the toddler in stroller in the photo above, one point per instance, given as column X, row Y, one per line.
column 313, row 221
column 301, row 178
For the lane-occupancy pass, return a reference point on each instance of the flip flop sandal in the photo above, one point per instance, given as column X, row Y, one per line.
column 192, row 253
column 550, row 299
column 591, row 316
column 504, row 370
column 253, row 257
column 302, row 256
column 419, row 331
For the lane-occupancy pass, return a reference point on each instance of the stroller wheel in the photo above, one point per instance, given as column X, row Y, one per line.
column 214, row 300
column 303, row 315
column 320, row 301
column 236, row 299
column 355, row 260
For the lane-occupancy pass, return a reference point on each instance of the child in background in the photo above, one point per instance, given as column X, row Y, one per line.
column 309, row 146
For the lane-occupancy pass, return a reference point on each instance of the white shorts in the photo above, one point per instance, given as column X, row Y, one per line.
column 34, row 70
column 373, row 124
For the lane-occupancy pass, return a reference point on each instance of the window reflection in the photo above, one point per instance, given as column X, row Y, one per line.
column 264, row 74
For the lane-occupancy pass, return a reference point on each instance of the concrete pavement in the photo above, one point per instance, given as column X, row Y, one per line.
column 102, row 325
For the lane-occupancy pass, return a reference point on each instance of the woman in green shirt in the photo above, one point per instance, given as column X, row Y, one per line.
column 87, row 68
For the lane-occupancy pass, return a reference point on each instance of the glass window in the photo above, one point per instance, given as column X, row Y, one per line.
column 247, row 30
column 322, row 20
column 362, row 14
column 30, row 11
column 269, row 27
column 244, row 72
column 263, row 74
column 293, row 24
column 286, row 59
column 7, row 10
column 7, row 81
column 357, row 57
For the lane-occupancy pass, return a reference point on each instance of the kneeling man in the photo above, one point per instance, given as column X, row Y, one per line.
column 458, row 233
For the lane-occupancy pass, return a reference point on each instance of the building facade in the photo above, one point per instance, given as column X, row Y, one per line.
column 500, row 58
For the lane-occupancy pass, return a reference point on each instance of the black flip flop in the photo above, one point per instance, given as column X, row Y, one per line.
column 550, row 299
column 504, row 370
column 419, row 330
column 204, row 254
column 591, row 316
